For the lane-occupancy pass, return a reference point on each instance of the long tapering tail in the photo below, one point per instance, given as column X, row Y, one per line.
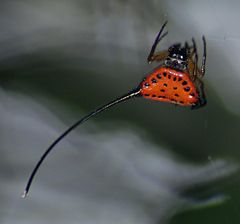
column 123, row 98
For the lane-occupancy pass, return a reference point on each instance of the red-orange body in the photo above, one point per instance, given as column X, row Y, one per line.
column 169, row 85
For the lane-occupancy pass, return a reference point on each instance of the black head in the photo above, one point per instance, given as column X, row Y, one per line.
column 177, row 57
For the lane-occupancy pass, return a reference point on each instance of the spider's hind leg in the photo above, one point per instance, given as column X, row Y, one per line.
column 195, row 60
column 204, row 56
column 202, row 98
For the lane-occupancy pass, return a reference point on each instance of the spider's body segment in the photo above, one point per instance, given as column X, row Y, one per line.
column 168, row 85
column 178, row 79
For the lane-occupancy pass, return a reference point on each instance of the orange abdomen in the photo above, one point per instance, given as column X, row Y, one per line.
column 168, row 85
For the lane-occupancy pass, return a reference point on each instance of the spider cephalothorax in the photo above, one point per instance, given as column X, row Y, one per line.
column 177, row 57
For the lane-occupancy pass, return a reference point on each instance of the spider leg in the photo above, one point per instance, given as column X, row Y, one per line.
column 195, row 54
column 194, row 62
column 191, row 67
column 159, row 56
column 204, row 56
column 202, row 98
column 157, row 40
column 190, row 62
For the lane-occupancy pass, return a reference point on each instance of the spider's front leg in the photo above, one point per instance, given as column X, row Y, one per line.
column 160, row 56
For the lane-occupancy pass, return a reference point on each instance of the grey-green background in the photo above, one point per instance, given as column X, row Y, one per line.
column 140, row 162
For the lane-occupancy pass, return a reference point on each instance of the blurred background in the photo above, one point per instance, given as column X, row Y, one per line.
column 142, row 161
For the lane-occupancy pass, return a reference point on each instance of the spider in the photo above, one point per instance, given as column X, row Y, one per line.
column 177, row 80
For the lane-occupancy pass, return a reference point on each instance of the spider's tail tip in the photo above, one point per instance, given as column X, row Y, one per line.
column 24, row 194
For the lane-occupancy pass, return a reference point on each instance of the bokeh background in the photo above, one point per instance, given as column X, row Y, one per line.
column 141, row 162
